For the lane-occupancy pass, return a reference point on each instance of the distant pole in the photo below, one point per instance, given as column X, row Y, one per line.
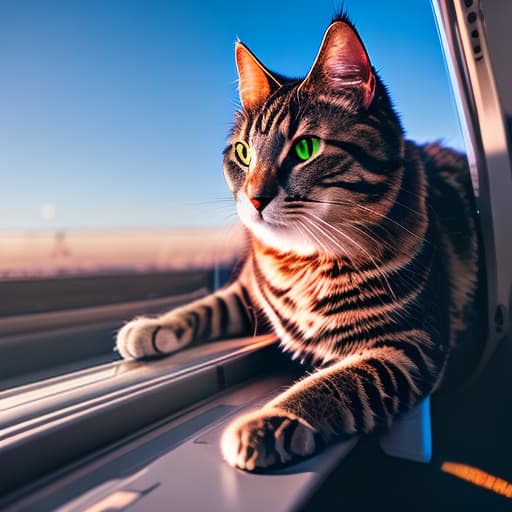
column 60, row 249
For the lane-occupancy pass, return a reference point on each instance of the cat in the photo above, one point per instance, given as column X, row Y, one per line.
column 364, row 254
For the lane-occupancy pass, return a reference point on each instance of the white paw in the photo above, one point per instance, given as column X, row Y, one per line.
column 146, row 337
column 268, row 438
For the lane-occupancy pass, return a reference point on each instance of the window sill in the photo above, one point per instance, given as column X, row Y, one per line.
column 65, row 418
column 172, row 440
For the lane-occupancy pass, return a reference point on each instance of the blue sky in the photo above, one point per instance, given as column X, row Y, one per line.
column 114, row 114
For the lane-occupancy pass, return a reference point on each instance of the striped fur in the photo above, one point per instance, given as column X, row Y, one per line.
column 365, row 261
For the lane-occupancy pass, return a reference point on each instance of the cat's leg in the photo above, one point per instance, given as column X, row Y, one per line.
column 220, row 315
column 356, row 395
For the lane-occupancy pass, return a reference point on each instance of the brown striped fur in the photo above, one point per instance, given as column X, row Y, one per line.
column 364, row 259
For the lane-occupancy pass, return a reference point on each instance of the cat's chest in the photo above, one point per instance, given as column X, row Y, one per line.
column 298, row 295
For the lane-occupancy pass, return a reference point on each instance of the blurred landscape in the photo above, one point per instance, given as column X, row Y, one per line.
column 31, row 254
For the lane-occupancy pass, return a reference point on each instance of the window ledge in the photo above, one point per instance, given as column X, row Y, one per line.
column 86, row 411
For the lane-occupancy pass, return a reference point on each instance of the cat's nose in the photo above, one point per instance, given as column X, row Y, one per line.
column 260, row 202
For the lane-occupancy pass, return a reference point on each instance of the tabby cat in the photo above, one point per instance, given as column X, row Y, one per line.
column 363, row 256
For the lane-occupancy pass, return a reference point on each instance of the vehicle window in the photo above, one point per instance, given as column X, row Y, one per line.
column 113, row 118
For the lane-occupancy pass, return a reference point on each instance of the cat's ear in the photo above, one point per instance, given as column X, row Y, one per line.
column 342, row 62
column 255, row 82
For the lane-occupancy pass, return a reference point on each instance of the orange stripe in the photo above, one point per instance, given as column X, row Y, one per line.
column 478, row 477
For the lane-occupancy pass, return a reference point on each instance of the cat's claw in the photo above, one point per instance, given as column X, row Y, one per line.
column 268, row 438
column 145, row 337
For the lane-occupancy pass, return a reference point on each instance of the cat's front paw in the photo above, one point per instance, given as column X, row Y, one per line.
column 268, row 438
column 148, row 337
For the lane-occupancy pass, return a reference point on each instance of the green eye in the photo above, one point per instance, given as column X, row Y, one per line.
column 243, row 153
column 307, row 147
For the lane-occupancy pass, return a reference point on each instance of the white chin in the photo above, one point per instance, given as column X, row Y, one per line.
column 271, row 235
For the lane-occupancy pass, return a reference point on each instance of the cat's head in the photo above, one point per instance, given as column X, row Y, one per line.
column 311, row 162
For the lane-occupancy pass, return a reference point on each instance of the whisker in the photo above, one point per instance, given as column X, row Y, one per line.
column 354, row 268
column 377, row 267
column 369, row 234
column 323, row 247
column 322, row 232
column 213, row 201
column 351, row 203
column 333, row 240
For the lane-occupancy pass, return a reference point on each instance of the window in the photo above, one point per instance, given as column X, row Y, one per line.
column 112, row 124
column 113, row 118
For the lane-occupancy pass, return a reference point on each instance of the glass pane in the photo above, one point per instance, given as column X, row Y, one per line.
column 113, row 117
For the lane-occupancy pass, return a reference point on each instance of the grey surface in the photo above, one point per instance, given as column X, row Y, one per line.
column 168, row 466
column 39, row 399
column 166, row 463
column 498, row 17
column 164, row 467
column 193, row 476
column 411, row 437
column 55, row 428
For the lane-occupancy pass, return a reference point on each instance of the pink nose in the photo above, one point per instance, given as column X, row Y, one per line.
column 260, row 202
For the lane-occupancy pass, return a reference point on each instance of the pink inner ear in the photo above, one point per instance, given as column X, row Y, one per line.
column 343, row 62
column 255, row 83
